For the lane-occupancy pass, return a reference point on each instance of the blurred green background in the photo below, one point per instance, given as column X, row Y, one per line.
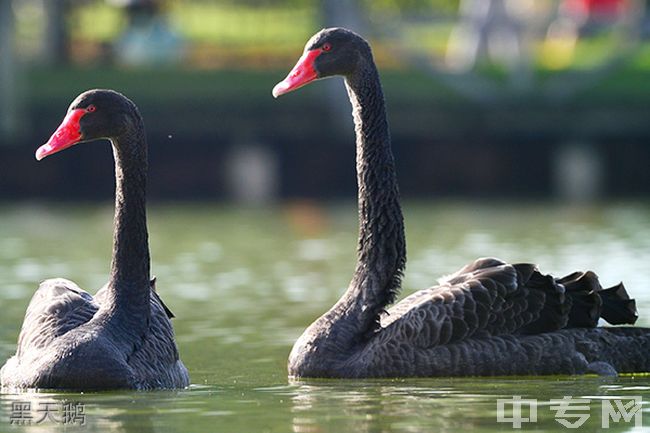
column 487, row 98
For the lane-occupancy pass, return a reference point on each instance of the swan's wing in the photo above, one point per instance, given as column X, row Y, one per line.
column 487, row 297
column 58, row 306
column 490, row 297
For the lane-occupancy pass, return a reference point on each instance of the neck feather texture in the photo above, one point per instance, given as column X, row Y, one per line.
column 381, row 251
column 129, row 277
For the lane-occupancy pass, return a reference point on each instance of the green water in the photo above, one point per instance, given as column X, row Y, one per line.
column 244, row 283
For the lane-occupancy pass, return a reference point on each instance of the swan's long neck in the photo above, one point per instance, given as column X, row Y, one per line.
column 381, row 250
column 129, row 278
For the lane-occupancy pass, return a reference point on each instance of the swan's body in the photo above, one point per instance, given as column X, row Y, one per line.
column 489, row 318
column 122, row 337
column 72, row 340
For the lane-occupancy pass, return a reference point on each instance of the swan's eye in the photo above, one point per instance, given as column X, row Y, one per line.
column 326, row 46
column 91, row 108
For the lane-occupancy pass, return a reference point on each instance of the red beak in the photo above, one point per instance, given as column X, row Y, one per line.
column 66, row 135
column 301, row 74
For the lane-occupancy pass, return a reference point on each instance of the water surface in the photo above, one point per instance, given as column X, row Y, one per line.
column 244, row 283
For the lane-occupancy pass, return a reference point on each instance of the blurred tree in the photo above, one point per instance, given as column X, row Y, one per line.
column 55, row 38
column 8, row 109
column 404, row 5
column 414, row 5
column 342, row 13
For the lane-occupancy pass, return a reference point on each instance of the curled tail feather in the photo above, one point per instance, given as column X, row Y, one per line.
column 618, row 308
column 589, row 301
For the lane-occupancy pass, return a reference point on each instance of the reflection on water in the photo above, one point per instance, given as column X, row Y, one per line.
column 442, row 404
column 244, row 283
column 445, row 405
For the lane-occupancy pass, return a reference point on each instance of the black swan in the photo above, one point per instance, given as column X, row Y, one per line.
column 123, row 337
column 489, row 318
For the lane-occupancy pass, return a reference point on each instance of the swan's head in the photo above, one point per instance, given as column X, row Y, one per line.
column 334, row 51
column 92, row 115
